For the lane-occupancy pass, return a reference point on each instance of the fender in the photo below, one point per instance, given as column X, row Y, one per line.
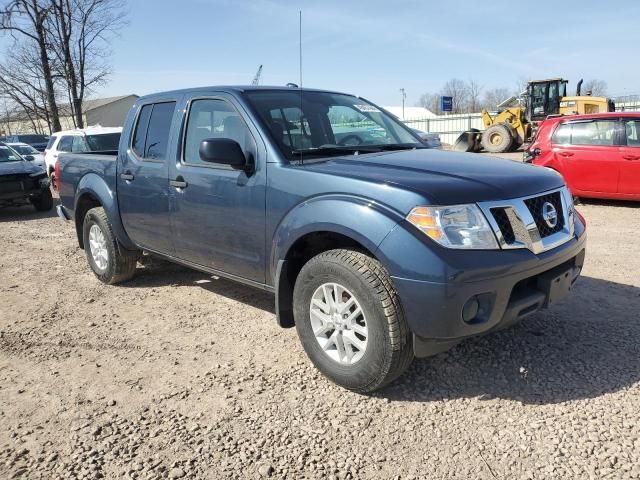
column 95, row 185
column 366, row 221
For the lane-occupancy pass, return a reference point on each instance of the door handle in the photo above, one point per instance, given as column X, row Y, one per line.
column 631, row 157
column 127, row 176
column 178, row 182
column 566, row 154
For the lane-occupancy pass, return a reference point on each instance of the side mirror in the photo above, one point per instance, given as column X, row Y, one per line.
column 30, row 158
column 224, row 151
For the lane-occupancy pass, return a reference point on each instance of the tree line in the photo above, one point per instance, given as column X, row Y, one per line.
column 58, row 54
column 471, row 97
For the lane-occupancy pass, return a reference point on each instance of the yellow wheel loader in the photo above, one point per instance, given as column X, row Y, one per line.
column 518, row 117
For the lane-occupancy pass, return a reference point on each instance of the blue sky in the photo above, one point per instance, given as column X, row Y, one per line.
column 373, row 48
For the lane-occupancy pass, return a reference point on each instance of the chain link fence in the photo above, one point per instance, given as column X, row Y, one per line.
column 449, row 127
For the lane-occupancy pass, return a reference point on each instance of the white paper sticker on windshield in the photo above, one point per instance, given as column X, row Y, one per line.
column 366, row 108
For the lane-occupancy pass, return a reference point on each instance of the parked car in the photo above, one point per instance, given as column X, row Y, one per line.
column 91, row 139
column 598, row 155
column 29, row 153
column 21, row 181
column 431, row 140
column 376, row 252
column 37, row 141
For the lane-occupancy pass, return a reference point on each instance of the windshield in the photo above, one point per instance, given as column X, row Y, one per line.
column 8, row 154
column 323, row 124
column 33, row 138
column 103, row 142
column 25, row 149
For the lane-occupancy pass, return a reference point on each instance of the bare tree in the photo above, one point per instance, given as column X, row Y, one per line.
column 22, row 81
column 597, row 88
column 81, row 31
column 459, row 92
column 474, row 90
column 26, row 19
column 492, row 98
column 430, row 101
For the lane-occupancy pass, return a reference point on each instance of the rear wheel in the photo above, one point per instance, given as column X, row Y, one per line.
column 44, row 202
column 497, row 139
column 109, row 260
column 350, row 322
column 53, row 180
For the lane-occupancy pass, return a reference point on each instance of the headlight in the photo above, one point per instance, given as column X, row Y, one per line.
column 457, row 226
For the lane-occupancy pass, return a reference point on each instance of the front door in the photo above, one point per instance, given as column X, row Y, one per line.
column 629, row 183
column 143, row 189
column 587, row 152
column 217, row 212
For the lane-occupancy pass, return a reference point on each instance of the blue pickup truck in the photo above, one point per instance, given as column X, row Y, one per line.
column 377, row 249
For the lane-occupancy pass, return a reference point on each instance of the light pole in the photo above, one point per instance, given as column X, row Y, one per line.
column 404, row 95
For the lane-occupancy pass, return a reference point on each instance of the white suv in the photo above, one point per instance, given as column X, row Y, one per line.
column 91, row 139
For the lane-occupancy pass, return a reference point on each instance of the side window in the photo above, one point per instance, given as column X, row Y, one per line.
column 562, row 135
column 65, row 144
column 632, row 132
column 50, row 143
column 158, row 131
column 213, row 118
column 77, row 146
column 140, row 134
column 599, row 132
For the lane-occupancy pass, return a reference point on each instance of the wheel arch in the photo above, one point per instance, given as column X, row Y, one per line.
column 93, row 191
column 317, row 226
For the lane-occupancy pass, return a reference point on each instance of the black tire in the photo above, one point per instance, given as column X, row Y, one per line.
column 389, row 349
column 497, row 139
column 44, row 202
column 120, row 263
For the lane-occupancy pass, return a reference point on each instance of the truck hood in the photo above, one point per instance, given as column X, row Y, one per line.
column 442, row 177
column 19, row 167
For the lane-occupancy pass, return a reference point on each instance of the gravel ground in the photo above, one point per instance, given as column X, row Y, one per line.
column 180, row 375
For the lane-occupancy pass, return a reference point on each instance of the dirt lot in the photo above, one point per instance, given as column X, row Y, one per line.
column 177, row 374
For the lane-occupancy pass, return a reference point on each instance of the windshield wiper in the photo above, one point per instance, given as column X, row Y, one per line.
column 337, row 150
column 355, row 149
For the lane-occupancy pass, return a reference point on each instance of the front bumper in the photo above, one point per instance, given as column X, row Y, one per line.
column 22, row 189
column 62, row 213
column 507, row 286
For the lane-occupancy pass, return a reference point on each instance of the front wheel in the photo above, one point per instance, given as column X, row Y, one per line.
column 44, row 202
column 109, row 260
column 349, row 320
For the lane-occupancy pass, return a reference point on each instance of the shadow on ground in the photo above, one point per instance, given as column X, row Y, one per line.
column 582, row 348
column 156, row 272
column 25, row 213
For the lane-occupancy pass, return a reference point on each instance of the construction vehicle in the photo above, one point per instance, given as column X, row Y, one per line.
column 256, row 78
column 518, row 117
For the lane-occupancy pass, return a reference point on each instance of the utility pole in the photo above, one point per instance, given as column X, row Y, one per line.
column 404, row 96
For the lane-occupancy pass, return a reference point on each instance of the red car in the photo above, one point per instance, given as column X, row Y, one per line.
column 598, row 154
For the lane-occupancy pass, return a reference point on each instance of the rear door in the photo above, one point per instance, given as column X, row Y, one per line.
column 586, row 152
column 218, row 212
column 143, row 177
column 629, row 183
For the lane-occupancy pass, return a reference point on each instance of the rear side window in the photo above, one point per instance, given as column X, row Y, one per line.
column 103, row 142
column 50, row 143
column 77, row 146
column 65, row 144
column 152, row 131
column 598, row 132
column 140, row 134
column 632, row 132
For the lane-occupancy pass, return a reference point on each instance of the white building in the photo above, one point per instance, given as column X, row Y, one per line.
column 411, row 113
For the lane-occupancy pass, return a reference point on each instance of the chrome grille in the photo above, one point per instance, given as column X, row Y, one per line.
column 535, row 206
column 521, row 223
